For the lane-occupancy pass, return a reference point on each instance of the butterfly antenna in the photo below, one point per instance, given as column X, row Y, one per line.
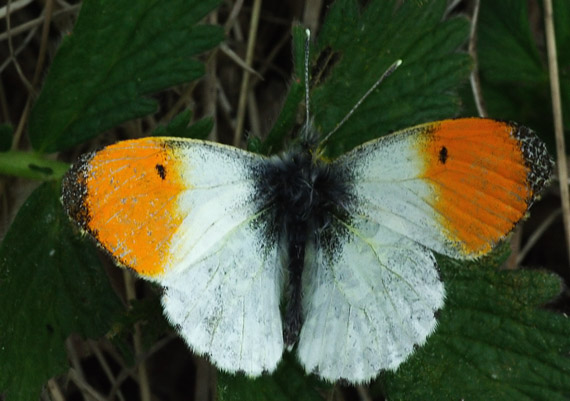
column 386, row 74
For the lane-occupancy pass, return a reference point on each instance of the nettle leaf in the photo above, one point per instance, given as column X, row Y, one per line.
column 513, row 71
column 6, row 132
column 118, row 52
column 180, row 127
column 494, row 341
column 288, row 383
column 505, row 36
column 356, row 45
column 295, row 95
column 52, row 284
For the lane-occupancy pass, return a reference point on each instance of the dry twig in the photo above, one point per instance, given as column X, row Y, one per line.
column 557, row 115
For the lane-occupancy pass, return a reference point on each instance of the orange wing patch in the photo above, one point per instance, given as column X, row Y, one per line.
column 126, row 196
column 485, row 174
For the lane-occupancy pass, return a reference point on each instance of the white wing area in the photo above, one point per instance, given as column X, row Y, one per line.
column 367, row 302
column 224, row 281
column 388, row 189
column 226, row 305
column 220, row 196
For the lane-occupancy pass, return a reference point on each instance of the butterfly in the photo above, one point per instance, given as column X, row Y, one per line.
column 258, row 254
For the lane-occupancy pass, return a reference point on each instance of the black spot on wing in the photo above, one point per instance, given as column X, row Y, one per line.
column 443, row 155
column 161, row 170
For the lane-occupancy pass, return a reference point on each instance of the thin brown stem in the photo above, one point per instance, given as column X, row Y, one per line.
column 244, row 90
column 474, row 77
column 144, row 385
column 557, row 115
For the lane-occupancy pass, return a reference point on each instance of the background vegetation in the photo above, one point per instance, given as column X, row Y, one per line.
column 76, row 77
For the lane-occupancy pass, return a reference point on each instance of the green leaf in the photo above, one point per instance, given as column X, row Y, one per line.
column 513, row 67
column 178, row 127
column 365, row 43
column 31, row 165
column 6, row 133
column 200, row 129
column 493, row 341
column 504, row 36
column 287, row 118
column 254, row 144
column 119, row 52
column 52, row 285
column 288, row 382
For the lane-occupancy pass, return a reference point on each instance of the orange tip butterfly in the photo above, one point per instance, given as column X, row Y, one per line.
column 257, row 254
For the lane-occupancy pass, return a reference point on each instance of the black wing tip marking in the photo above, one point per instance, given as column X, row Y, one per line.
column 74, row 191
column 74, row 197
column 537, row 159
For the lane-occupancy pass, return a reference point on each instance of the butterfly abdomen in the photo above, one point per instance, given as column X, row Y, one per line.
column 304, row 194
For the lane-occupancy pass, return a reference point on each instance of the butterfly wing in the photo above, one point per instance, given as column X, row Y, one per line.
column 369, row 300
column 371, row 282
column 455, row 186
column 188, row 215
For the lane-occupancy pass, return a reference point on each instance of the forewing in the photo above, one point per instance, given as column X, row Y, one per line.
column 455, row 186
column 188, row 215
column 370, row 296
